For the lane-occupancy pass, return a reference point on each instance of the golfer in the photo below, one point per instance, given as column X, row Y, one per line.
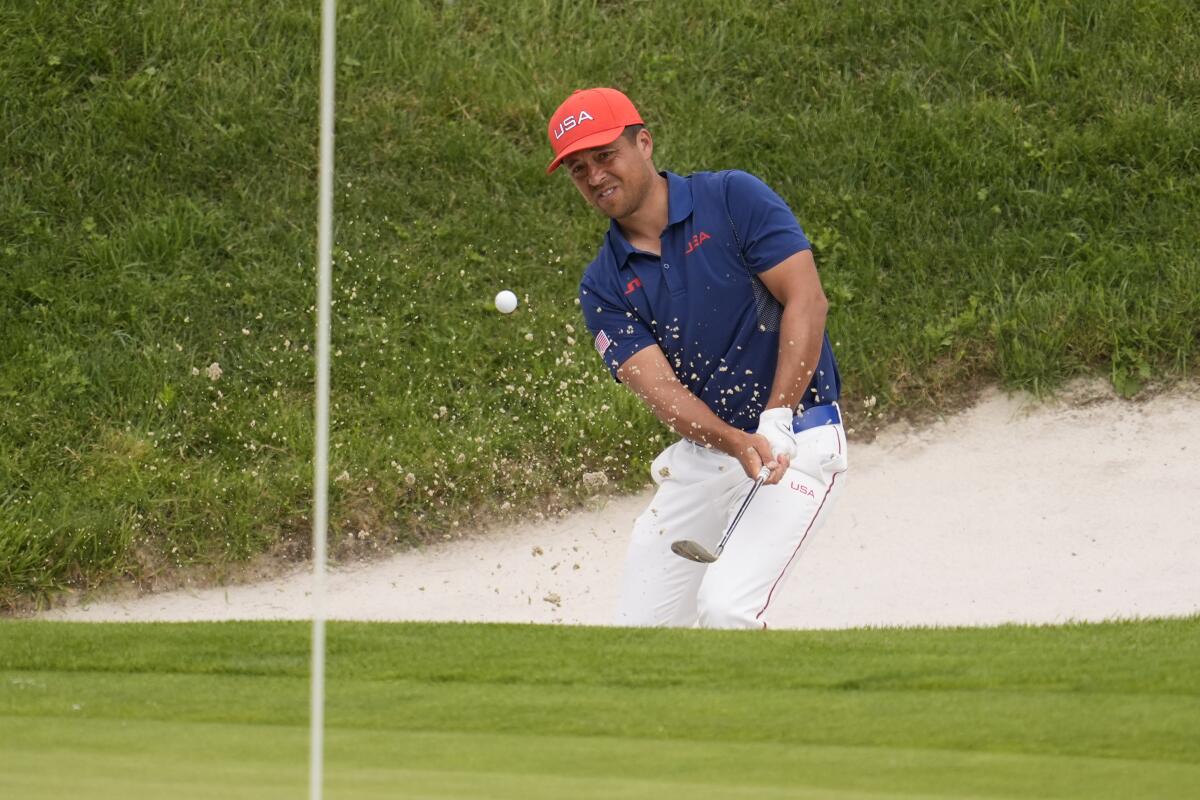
column 704, row 301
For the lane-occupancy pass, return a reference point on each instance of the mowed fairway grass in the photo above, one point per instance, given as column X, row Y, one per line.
column 497, row 711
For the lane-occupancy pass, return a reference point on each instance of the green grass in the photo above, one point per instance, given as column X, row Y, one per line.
column 997, row 192
column 432, row 711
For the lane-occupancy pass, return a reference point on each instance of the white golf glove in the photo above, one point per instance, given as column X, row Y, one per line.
column 776, row 425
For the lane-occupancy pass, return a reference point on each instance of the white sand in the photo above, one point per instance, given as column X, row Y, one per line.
column 1083, row 509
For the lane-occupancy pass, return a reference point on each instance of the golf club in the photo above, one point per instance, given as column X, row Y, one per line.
column 686, row 548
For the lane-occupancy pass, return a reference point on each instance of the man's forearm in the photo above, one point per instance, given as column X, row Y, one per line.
column 653, row 381
column 688, row 416
column 801, row 333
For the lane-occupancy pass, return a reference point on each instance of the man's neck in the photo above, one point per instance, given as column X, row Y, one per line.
column 643, row 228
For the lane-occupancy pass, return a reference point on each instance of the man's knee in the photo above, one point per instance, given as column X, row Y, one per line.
column 720, row 610
column 657, row 609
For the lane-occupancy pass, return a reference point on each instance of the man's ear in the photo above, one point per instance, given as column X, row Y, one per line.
column 645, row 143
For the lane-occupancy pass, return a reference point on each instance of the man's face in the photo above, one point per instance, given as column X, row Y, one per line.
column 616, row 177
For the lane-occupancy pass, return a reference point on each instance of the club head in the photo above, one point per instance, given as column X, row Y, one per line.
column 686, row 548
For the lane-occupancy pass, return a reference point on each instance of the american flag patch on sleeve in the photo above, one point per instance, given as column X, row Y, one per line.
column 602, row 342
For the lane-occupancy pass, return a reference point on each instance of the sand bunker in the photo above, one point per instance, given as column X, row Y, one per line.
column 1080, row 509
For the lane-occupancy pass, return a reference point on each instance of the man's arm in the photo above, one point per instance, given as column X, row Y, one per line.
column 649, row 375
column 795, row 284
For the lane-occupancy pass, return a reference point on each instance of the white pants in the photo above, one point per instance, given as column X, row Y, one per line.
column 699, row 491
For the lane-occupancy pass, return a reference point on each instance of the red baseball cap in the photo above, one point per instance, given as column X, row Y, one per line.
column 589, row 118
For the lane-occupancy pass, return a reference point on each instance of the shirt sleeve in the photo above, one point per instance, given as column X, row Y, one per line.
column 617, row 332
column 766, row 227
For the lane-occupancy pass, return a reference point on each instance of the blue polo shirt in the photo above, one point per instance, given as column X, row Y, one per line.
column 702, row 302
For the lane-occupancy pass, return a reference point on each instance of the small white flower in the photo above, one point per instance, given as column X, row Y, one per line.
column 214, row 371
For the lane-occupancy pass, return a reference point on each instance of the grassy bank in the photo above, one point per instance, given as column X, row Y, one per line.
column 1086, row 711
column 996, row 192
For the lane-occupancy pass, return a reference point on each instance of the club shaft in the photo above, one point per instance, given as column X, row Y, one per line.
column 762, row 476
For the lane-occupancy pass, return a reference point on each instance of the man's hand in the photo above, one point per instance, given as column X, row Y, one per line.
column 776, row 425
column 754, row 452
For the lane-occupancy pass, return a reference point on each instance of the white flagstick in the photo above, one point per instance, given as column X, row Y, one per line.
column 321, row 460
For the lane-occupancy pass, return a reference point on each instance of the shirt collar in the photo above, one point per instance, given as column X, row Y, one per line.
column 621, row 248
column 679, row 198
column 679, row 208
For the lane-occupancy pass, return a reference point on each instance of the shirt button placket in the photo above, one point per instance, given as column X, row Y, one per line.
column 673, row 278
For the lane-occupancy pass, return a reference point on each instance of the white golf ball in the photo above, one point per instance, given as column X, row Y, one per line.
column 506, row 302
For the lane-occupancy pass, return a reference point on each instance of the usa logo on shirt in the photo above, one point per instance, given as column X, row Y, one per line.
column 602, row 342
